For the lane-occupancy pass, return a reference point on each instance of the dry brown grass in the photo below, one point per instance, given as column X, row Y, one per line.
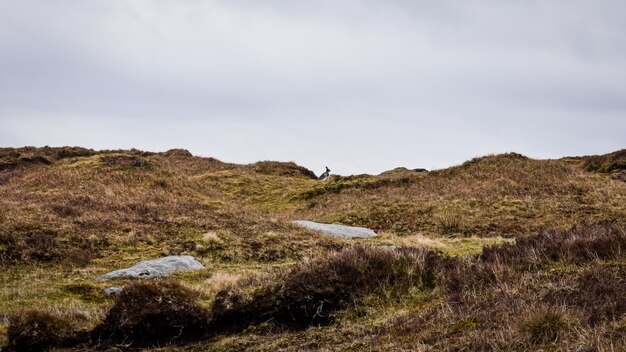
column 123, row 200
column 503, row 195
column 567, row 301
column 552, row 291
column 70, row 214
column 221, row 281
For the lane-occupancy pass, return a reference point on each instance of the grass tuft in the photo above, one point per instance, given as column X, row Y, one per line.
column 546, row 325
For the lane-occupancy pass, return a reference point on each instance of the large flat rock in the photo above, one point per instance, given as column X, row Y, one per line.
column 156, row 267
column 336, row 230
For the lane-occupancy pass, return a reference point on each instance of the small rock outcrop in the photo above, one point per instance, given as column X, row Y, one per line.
column 112, row 291
column 156, row 267
column 336, row 230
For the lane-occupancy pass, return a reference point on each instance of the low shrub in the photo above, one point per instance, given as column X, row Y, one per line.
column 125, row 161
column 276, row 168
column 578, row 244
column 606, row 163
column 39, row 331
column 462, row 276
column 178, row 153
column 598, row 291
column 33, row 244
column 499, row 264
column 311, row 292
column 40, row 244
column 153, row 313
column 23, row 162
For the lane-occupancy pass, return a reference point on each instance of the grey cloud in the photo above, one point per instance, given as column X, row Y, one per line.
column 363, row 85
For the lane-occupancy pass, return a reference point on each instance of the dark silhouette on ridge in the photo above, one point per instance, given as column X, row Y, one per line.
column 325, row 175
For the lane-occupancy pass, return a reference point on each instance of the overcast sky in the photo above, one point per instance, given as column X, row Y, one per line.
column 360, row 86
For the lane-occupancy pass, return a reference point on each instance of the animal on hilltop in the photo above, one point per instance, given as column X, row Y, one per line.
column 325, row 175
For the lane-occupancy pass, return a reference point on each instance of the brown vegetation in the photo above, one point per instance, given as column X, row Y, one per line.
column 37, row 330
column 509, row 297
column 552, row 290
column 311, row 292
column 613, row 164
column 153, row 314
column 502, row 195
column 110, row 200
column 556, row 285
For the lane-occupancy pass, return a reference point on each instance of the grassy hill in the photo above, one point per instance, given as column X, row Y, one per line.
column 550, row 276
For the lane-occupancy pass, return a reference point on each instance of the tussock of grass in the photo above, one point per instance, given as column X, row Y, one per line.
column 546, row 325
column 450, row 224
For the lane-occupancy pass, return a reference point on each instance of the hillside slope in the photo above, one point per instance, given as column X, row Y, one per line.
column 68, row 215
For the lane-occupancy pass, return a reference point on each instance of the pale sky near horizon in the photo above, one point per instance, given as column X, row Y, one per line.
column 358, row 85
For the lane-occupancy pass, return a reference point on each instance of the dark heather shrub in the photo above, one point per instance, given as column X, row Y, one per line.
column 606, row 163
column 600, row 292
column 25, row 245
column 42, row 246
column 276, row 168
column 311, row 292
column 9, row 250
column 79, row 256
column 151, row 314
column 73, row 152
column 178, row 153
column 499, row 263
column 460, row 276
column 125, row 161
column 39, row 331
column 578, row 244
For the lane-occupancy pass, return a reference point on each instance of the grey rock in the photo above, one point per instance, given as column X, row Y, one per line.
column 156, row 267
column 336, row 230
column 112, row 291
